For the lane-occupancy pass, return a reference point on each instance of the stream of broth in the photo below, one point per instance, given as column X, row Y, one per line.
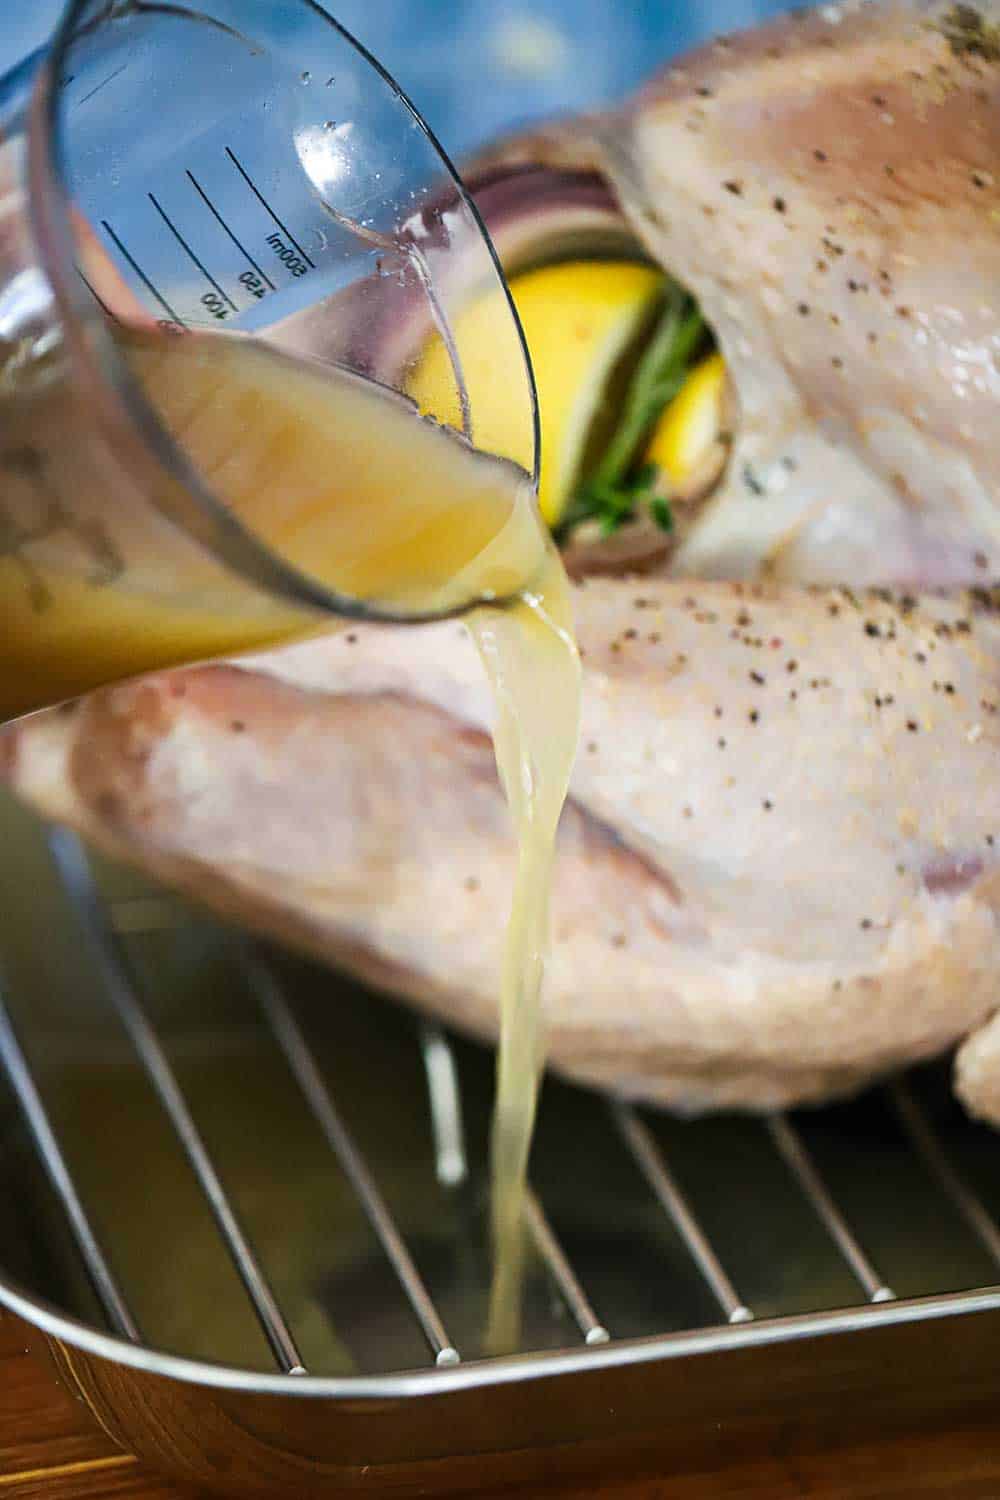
column 346, row 482
column 530, row 656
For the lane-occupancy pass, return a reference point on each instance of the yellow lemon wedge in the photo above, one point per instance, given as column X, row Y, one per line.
column 690, row 428
column 580, row 320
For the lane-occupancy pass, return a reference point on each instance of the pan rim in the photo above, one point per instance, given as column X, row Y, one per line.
column 477, row 1374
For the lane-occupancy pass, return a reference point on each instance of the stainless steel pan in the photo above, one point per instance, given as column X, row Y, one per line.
column 243, row 1203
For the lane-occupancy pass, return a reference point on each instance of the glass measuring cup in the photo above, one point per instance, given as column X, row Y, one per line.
column 242, row 168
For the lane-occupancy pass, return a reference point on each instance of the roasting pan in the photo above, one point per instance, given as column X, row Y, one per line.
column 243, row 1202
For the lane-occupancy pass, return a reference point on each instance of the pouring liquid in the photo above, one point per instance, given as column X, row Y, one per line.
column 532, row 662
column 338, row 476
column 345, row 481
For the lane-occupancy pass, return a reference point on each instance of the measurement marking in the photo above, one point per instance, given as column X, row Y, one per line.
column 142, row 275
column 110, row 79
column 96, row 296
column 185, row 246
column 240, row 247
column 259, row 195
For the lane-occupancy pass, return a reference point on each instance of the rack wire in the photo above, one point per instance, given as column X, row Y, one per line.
column 643, row 1144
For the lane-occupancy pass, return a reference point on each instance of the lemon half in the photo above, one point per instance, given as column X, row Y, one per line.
column 580, row 318
column 689, row 429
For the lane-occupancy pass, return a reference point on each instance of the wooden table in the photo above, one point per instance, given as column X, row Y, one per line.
column 51, row 1450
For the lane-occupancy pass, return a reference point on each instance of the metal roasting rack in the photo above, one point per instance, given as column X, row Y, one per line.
column 681, row 1251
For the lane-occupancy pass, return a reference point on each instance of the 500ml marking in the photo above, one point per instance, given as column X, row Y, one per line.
column 284, row 245
column 287, row 255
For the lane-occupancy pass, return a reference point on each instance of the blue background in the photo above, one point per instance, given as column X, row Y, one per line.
column 476, row 67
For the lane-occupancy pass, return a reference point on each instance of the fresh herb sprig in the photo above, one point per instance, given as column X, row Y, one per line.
column 615, row 491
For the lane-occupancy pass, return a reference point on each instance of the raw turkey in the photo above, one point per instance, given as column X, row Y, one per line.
column 778, row 869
